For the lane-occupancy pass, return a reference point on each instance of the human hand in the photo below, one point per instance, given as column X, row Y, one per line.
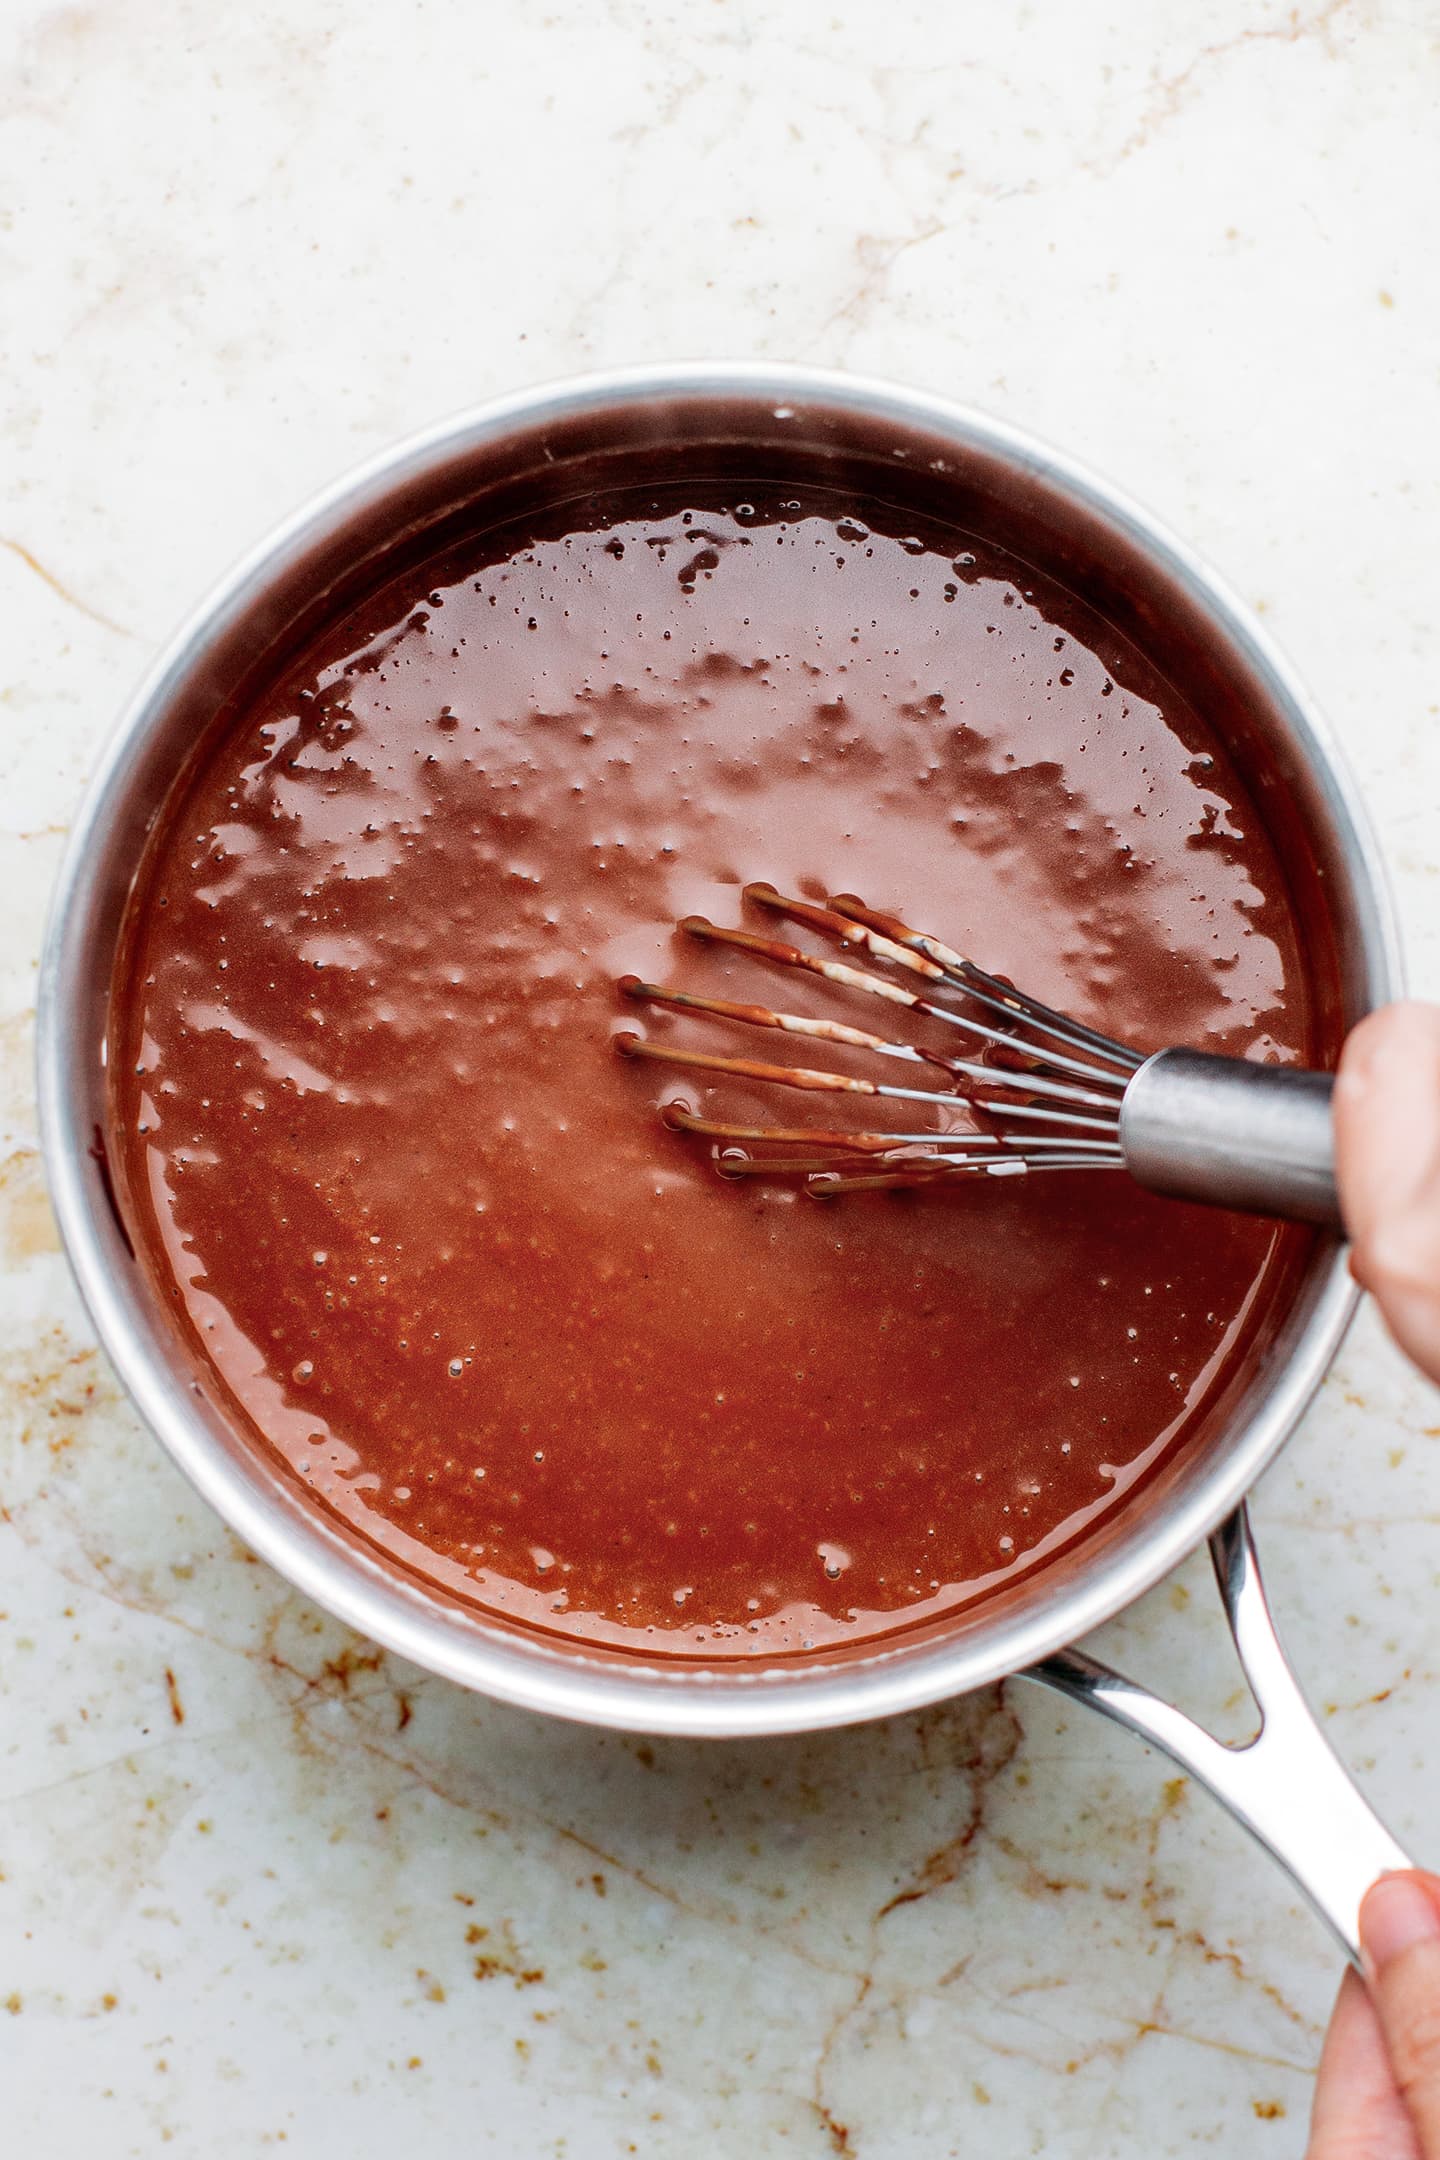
column 1378, row 2094
column 1387, row 1162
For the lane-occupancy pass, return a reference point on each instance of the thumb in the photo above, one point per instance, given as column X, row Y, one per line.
column 1358, row 2113
column 1387, row 1161
column 1400, row 1939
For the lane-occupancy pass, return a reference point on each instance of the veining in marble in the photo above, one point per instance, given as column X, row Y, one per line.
column 263, row 1887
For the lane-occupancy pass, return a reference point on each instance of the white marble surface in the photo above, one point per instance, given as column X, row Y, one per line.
column 262, row 1887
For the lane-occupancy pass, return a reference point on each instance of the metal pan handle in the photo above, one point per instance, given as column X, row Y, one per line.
column 1286, row 1786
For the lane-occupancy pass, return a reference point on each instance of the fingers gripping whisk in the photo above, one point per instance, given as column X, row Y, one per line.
column 1037, row 1090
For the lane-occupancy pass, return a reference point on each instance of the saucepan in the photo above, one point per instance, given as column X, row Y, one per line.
column 560, row 442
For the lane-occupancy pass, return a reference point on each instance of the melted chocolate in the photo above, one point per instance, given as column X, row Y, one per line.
column 429, row 1230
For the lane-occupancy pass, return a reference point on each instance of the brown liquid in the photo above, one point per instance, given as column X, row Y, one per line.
column 428, row 1228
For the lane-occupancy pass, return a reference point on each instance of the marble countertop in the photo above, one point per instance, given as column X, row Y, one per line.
column 263, row 1887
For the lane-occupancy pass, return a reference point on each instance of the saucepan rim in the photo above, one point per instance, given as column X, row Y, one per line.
column 564, row 1680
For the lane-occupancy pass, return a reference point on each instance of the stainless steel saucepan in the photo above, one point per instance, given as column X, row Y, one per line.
column 562, row 442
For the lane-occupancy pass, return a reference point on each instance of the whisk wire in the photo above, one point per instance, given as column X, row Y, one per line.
column 889, row 938
column 781, row 954
column 836, row 1031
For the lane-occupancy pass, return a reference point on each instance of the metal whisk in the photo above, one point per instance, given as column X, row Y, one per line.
column 1039, row 1090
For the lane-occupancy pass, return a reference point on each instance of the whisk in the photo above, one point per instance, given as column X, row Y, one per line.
column 1038, row 1090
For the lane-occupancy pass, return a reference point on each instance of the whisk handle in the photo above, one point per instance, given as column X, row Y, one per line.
column 1254, row 1137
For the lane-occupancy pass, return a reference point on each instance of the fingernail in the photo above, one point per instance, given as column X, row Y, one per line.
column 1398, row 1912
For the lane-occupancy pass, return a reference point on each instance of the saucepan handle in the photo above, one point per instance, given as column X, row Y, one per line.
column 1286, row 1786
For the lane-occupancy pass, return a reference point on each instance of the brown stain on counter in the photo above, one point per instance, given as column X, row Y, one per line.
column 62, row 591
column 998, row 1737
column 27, row 1225
column 1170, row 93
column 503, row 1959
